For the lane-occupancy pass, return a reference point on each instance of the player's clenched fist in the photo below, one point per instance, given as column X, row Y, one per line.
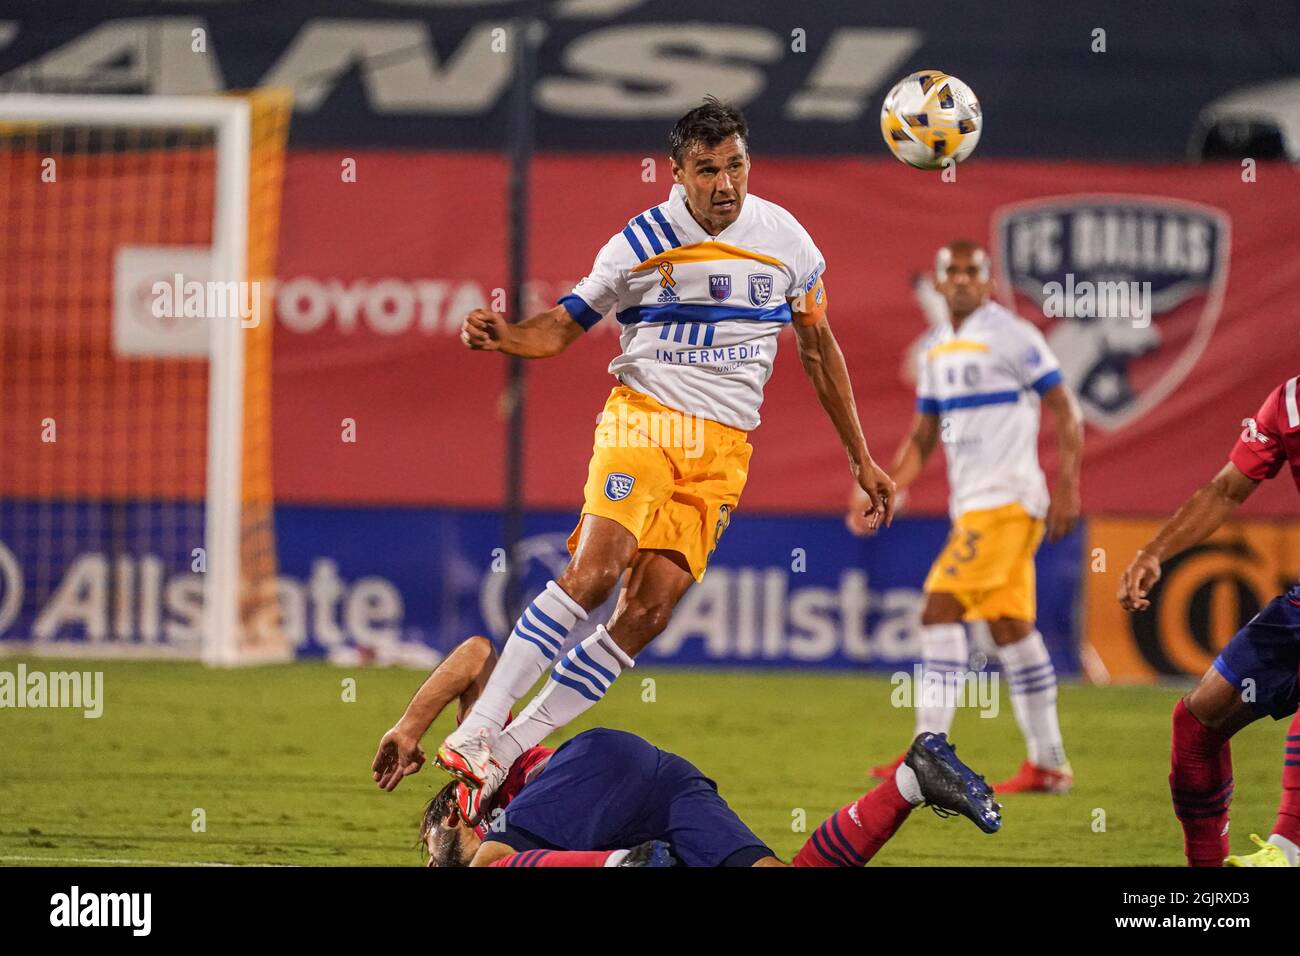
column 482, row 330
column 1138, row 580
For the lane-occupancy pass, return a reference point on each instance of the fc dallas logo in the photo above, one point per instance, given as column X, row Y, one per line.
column 1120, row 364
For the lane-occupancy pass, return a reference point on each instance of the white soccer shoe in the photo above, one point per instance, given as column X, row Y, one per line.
column 467, row 755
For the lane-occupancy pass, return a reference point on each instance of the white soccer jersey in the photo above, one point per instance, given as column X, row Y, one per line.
column 700, row 314
column 984, row 381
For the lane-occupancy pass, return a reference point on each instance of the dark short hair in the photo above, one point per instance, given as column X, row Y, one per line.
column 436, row 812
column 964, row 247
column 709, row 124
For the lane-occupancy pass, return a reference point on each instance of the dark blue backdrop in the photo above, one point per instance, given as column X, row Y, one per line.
column 613, row 73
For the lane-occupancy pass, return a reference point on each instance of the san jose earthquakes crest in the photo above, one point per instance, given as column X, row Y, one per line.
column 760, row 288
column 618, row 485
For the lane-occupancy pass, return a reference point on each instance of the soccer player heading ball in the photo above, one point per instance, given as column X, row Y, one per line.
column 982, row 376
column 700, row 285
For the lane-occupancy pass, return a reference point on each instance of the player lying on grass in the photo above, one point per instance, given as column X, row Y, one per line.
column 609, row 798
column 1255, row 675
column 701, row 286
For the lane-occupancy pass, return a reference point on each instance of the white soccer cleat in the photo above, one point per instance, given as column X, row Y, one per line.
column 467, row 755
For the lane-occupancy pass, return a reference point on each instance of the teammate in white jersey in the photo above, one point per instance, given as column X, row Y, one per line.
column 701, row 286
column 981, row 379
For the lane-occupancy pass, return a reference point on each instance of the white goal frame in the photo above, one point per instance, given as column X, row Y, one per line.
column 229, row 119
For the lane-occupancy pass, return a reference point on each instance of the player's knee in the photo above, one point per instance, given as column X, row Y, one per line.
column 941, row 612
column 1208, row 708
column 1008, row 630
column 589, row 582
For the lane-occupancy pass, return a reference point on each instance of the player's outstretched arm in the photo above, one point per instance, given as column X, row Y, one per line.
column 909, row 461
column 1199, row 517
column 823, row 361
column 541, row 336
column 1064, row 509
column 461, row 676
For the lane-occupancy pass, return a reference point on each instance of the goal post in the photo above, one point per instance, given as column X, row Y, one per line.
column 147, row 522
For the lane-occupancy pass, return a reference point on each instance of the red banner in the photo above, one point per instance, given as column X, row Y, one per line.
column 377, row 273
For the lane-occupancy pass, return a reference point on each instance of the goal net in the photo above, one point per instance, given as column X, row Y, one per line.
column 137, row 245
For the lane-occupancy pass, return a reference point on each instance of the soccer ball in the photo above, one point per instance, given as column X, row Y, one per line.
column 931, row 119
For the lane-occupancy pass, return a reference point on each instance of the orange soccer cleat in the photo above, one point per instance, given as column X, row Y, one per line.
column 1031, row 778
column 886, row 770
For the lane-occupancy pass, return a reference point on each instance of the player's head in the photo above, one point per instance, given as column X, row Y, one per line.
column 961, row 274
column 710, row 158
column 445, row 838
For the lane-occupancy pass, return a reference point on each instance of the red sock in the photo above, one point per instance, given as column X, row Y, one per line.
column 556, row 858
column 1288, row 814
column 853, row 834
column 1200, row 782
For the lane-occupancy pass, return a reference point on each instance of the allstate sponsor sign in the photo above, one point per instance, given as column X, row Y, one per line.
column 409, row 584
column 780, row 592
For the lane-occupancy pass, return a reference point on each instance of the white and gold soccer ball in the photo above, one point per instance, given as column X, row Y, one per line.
column 930, row 119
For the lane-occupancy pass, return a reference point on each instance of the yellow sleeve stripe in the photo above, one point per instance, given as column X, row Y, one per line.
column 956, row 345
column 705, row 252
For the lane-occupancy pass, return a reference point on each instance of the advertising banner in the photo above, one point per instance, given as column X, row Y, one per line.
column 376, row 276
column 1108, row 80
column 1204, row 596
column 403, row 586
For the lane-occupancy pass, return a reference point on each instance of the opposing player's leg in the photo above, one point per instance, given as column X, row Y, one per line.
column 1257, row 674
column 1286, row 831
column 931, row 774
column 604, row 550
column 581, row 678
column 944, row 652
column 1028, row 670
column 1200, row 775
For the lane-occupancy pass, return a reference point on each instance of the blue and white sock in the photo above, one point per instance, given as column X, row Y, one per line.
column 1032, row 679
column 535, row 641
column 580, row 678
column 944, row 663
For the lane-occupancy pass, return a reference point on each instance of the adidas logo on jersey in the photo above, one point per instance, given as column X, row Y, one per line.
column 667, row 294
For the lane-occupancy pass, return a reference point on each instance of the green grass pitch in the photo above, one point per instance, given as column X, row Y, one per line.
column 279, row 763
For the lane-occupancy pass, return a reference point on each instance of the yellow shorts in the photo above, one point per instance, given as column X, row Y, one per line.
column 670, row 478
column 988, row 564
